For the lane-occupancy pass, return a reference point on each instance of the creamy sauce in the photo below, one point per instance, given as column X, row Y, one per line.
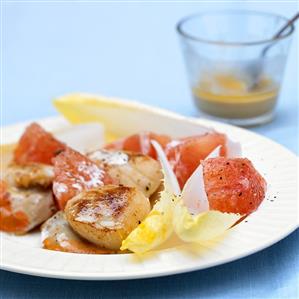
column 110, row 158
column 56, row 234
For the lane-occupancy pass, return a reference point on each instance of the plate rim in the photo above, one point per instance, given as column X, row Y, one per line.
column 107, row 277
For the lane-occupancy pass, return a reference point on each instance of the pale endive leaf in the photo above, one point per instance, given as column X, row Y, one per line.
column 202, row 227
column 83, row 137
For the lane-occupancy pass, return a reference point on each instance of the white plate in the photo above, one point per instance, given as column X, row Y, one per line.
column 276, row 218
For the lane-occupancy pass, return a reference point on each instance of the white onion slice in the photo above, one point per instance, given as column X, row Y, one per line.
column 214, row 153
column 171, row 178
column 234, row 149
column 83, row 137
column 194, row 195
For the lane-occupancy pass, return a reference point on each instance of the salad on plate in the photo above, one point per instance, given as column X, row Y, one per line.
column 125, row 195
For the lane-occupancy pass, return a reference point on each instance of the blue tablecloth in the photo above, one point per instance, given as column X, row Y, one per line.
column 131, row 50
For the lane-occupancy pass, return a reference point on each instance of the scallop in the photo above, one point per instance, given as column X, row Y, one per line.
column 30, row 175
column 130, row 169
column 23, row 209
column 105, row 216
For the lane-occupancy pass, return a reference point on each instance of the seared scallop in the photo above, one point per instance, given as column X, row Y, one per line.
column 105, row 216
column 56, row 234
column 130, row 169
column 23, row 209
column 30, row 175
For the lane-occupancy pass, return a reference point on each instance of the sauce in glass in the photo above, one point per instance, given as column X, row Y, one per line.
column 228, row 96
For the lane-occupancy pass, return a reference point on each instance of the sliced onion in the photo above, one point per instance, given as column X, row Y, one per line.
column 83, row 137
column 194, row 195
column 234, row 149
column 171, row 181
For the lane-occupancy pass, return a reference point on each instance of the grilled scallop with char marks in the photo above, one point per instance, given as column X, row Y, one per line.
column 105, row 216
column 130, row 169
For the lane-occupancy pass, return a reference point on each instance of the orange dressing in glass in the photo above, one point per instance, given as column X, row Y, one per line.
column 227, row 96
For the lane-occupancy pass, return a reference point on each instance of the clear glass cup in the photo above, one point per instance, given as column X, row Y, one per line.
column 235, row 67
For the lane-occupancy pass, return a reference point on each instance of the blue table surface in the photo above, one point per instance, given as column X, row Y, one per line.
column 131, row 50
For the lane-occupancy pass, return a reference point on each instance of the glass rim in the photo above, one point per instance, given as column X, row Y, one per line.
column 233, row 44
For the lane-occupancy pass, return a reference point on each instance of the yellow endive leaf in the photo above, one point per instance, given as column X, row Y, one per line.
column 155, row 229
column 202, row 227
column 80, row 108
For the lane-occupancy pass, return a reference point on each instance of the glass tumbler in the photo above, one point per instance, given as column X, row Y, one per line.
column 234, row 64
